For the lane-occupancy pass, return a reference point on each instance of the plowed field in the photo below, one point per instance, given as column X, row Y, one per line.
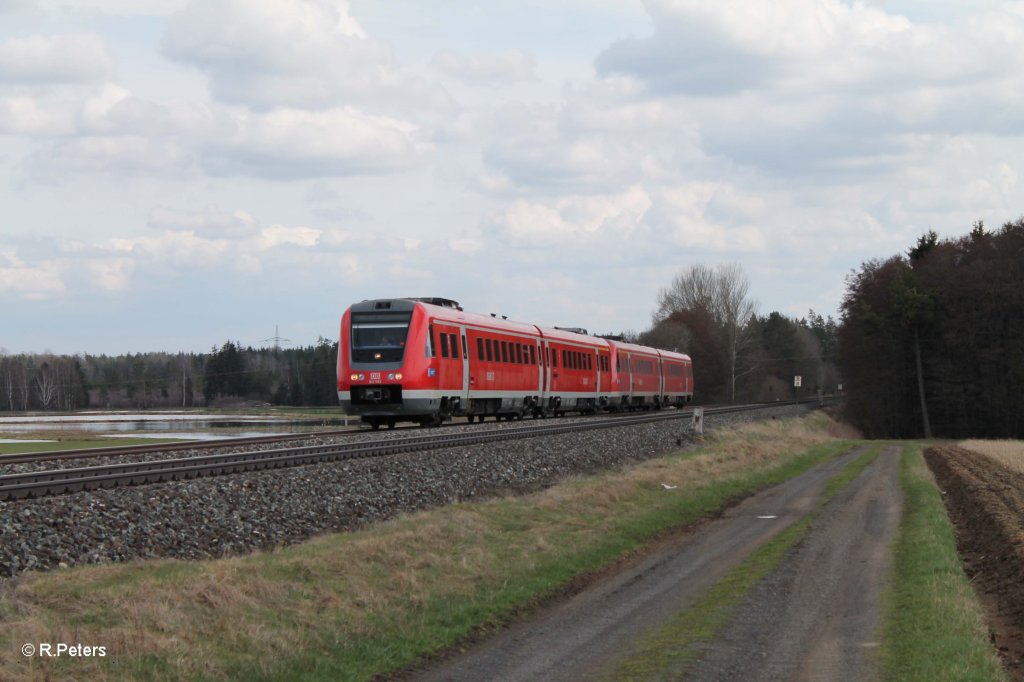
column 985, row 501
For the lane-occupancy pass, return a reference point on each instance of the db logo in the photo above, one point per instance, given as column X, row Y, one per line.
column 375, row 377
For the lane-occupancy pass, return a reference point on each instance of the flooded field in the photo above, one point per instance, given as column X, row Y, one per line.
column 184, row 425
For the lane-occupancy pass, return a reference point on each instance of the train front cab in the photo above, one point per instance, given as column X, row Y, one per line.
column 383, row 362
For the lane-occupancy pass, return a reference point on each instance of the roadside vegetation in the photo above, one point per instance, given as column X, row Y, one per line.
column 934, row 628
column 353, row 605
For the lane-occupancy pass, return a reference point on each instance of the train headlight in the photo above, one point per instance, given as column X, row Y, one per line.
column 398, row 376
column 391, row 376
column 353, row 377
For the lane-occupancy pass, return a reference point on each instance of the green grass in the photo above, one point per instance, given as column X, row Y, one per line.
column 665, row 651
column 61, row 446
column 934, row 628
column 356, row 605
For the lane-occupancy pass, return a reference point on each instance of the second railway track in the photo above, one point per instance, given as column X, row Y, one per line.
column 71, row 480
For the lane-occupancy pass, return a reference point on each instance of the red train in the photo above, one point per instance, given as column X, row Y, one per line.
column 426, row 360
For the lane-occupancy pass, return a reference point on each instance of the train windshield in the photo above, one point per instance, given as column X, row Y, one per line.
column 379, row 337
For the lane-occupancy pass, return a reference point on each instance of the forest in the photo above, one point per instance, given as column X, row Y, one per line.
column 931, row 342
column 227, row 376
column 764, row 354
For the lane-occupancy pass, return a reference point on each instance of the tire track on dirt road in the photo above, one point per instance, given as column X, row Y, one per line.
column 583, row 636
column 816, row 616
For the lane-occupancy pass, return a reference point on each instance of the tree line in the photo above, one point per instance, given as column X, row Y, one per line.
column 739, row 355
column 230, row 374
column 932, row 341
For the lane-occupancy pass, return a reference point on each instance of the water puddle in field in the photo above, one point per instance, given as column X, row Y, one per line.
column 189, row 425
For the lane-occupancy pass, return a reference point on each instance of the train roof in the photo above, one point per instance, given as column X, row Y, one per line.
column 647, row 350
column 448, row 309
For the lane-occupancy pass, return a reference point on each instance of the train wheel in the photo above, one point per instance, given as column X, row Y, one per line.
column 374, row 424
column 391, row 423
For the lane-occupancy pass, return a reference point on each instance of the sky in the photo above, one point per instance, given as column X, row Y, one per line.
column 175, row 174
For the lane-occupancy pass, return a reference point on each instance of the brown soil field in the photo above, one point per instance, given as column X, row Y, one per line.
column 985, row 501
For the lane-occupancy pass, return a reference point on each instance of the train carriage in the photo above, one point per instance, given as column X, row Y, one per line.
column 574, row 378
column 677, row 378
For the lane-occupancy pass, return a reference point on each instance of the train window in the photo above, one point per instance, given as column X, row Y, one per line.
column 533, row 355
column 490, row 356
column 590, row 362
column 479, row 349
column 444, row 345
column 455, row 346
column 519, row 353
column 431, row 348
column 564, row 363
column 504, row 351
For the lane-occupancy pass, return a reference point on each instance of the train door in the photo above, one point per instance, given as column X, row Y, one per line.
column 452, row 372
column 545, row 378
column 465, row 366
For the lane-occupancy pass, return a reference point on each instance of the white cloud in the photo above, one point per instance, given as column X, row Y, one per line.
column 210, row 223
column 496, row 69
column 20, row 280
column 297, row 53
column 280, row 235
column 119, row 155
column 293, row 143
column 578, row 220
column 30, row 116
column 112, row 274
column 38, row 60
column 684, row 213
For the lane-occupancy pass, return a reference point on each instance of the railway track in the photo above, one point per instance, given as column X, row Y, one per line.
column 65, row 481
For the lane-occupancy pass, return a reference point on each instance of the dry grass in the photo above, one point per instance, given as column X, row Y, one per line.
column 246, row 615
column 1009, row 453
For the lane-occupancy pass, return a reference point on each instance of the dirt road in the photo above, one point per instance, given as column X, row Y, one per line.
column 814, row 618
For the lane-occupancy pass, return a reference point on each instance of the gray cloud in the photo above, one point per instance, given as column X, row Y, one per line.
column 41, row 60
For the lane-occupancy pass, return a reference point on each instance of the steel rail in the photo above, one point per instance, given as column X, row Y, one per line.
column 125, row 450
column 121, row 450
column 64, row 481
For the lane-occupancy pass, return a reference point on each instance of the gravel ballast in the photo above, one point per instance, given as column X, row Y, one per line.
column 230, row 515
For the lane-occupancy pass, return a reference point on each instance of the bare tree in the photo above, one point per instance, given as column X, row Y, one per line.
column 24, row 386
column 46, row 383
column 7, row 380
column 713, row 304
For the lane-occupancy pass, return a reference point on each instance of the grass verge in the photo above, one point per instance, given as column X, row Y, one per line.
column 664, row 653
column 933, row 627
column 355, row 605
column 59, row 446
